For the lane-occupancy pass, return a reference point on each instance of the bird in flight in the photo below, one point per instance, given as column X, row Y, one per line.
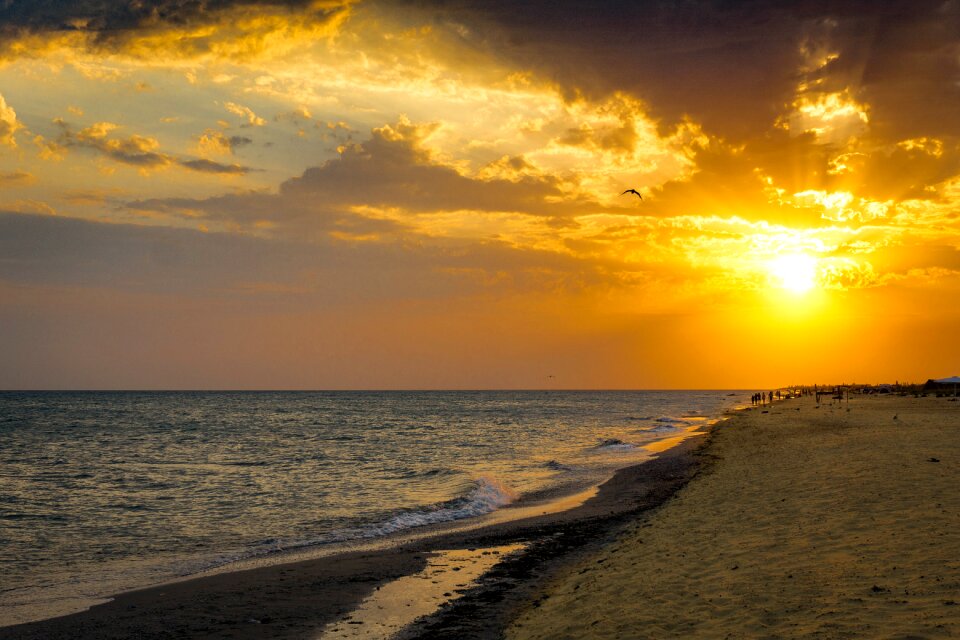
column 633, row 191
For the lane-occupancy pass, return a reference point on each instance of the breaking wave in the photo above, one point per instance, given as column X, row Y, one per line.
column 488, row 494
column 614, row 444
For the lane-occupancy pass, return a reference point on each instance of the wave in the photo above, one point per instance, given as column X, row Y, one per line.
column 487, row 495
column 666, row 424
column 660, row 428
column 614, row 444
column 557, row 466
column 408, row 474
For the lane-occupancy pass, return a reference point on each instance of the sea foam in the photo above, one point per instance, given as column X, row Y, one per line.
column 487, row 495
column 614, row 444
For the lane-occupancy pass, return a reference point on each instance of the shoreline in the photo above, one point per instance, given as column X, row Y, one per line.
column 833, row 520
column 298, row 597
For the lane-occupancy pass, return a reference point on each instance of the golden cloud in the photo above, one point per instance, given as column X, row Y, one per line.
column 213, row 143
column 142, row 152
column 238, row 32
column 9, row 125
column 245, row 113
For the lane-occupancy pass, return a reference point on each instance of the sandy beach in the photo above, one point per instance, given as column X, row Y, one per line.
column 804, row 522
column 784, row 521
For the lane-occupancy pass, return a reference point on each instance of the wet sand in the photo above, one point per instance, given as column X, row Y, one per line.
column 804, row 522
column 303, row 599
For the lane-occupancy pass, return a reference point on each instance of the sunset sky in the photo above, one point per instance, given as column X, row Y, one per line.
column 319, row 195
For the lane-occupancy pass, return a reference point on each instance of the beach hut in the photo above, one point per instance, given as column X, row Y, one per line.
column 954, row 380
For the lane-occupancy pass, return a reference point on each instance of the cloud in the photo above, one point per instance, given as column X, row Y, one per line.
column 297, row 115
column 393, row 170
column 68, row 252
column 215, row 143
column 13, row 178
column 93, row 197
column 27, row 206
column 733, row 66
column 246, row 113
column 113, row 16
column 209, row 166
column 898, row 57
column 714, row 229
column 138, row 151
column 50, row 149
column 223, row 29
column 9, row 125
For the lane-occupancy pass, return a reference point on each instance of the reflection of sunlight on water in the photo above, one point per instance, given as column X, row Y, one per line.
column 662, row 445
column 395, row 605
column 517, row 512
column 213, row 482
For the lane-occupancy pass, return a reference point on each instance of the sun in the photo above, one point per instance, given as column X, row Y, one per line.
column 796, row 273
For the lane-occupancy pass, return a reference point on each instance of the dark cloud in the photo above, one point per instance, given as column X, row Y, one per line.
column 110, row 17
column 209, row 166
column 236, row 142
column 391, row 169
column 898, row 173
column 733, row 66
column 900, row 58
column 729, row 65
column 186, row 28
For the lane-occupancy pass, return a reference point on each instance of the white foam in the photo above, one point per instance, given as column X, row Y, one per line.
column 488, row 495
column 613, row 444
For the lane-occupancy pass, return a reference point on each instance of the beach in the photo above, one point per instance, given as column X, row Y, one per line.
column 834, row 522
column 786, row 520
column 314, row 597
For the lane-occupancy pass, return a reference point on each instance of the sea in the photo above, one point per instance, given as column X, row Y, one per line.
column 104, row 492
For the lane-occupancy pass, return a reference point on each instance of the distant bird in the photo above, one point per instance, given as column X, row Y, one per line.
column 633, row 191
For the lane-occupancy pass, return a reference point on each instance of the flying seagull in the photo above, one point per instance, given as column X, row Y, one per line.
column 634, row 191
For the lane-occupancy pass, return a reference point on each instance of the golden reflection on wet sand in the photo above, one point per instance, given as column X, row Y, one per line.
column 448, row 574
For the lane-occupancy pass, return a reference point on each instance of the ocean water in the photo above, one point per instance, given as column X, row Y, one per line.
column 104, row 492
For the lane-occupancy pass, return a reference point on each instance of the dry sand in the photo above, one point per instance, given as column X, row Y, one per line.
column 820, row 523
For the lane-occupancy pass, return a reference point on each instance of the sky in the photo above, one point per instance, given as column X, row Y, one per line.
column 340, row 194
